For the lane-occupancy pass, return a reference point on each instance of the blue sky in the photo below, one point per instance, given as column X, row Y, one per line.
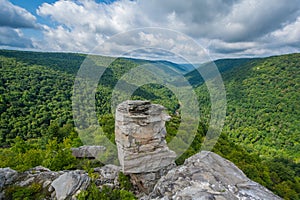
column 32, row 6
column 235, row 28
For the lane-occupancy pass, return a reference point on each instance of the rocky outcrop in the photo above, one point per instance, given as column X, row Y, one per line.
column 57, row 185
column 70, row 183
column 140, row 136
column 91, row 152
column 108, row 175
column 7, row 176
column 38, row 175
column 145, row 182
column 206, row 175
column 145, row 157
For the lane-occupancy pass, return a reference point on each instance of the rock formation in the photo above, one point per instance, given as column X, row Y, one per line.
column 108, row 175
column 57, row 185
column 38, row 175
column 91, row 152
column 70, row 184
column 140, row 136
column 207, row 175
column 145, row 157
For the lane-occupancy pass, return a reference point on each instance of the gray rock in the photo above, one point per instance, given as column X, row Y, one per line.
column 2, row 196
column 38, row 174
column 7, row 176
column 140, row 136
column 39, row 169
column 207, row 175
column 92, row 152
column 27, row 181
column 69, row 183
column 145, row 182
column 108, row 174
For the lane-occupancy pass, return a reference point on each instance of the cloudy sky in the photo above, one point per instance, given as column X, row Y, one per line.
column 223, row 28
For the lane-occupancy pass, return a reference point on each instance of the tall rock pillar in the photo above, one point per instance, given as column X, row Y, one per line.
column 140, row 136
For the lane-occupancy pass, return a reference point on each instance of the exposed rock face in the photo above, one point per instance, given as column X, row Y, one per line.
column 58, row 185
column 39, row 175
column 70, row 183
column 108, row 175
column 140, row 136
column 206, row 175
column 145, row 157
column 145, row 182
column 85, row 151
column 7, row 176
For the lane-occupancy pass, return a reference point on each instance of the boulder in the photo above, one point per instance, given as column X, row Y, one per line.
column 38, row 175
column 7, row 176
column 207, row 175
column 145, row 182
column 70, row 183
column 108, row 175
column 91, row 152
column 140, row 136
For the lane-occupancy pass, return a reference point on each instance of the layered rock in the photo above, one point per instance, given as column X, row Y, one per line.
column 140, row 136
column 145, row 157
column 108, row 175
column 203, row 176
column 7, row 176
column 207, row 175
column 37, row 175
column 70, row 184
column 57, row 185
column 91, row 152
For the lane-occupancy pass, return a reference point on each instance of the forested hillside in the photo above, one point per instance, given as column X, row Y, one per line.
column 223, row 65
column 261, row 133
column 263, row 111
column 268, row 91
column 263, row 117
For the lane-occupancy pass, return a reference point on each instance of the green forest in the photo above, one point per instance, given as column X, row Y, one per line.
column 261, row 134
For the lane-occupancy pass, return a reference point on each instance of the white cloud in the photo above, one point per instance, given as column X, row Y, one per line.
column 157, row 43
column 225, row 27
column 249, row 20
column 13, row 37
column 289, row 34
column 64, row 39
column 15, row 17
column 228, row 47
column 12, row 20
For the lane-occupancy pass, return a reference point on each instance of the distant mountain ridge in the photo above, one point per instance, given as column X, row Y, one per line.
column 76, row 59
column 178, row 67
column 223, row 65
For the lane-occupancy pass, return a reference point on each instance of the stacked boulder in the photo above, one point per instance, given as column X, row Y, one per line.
column 140, row 136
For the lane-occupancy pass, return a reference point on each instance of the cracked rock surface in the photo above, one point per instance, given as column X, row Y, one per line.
column 207, row 175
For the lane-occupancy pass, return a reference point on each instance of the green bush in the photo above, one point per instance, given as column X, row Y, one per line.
column 32, row 192
column 124, row 181
column 105, row 193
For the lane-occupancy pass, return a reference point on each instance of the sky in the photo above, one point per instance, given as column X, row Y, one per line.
column 221, row 28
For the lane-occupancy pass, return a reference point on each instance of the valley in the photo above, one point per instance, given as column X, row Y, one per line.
column 260, row 135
